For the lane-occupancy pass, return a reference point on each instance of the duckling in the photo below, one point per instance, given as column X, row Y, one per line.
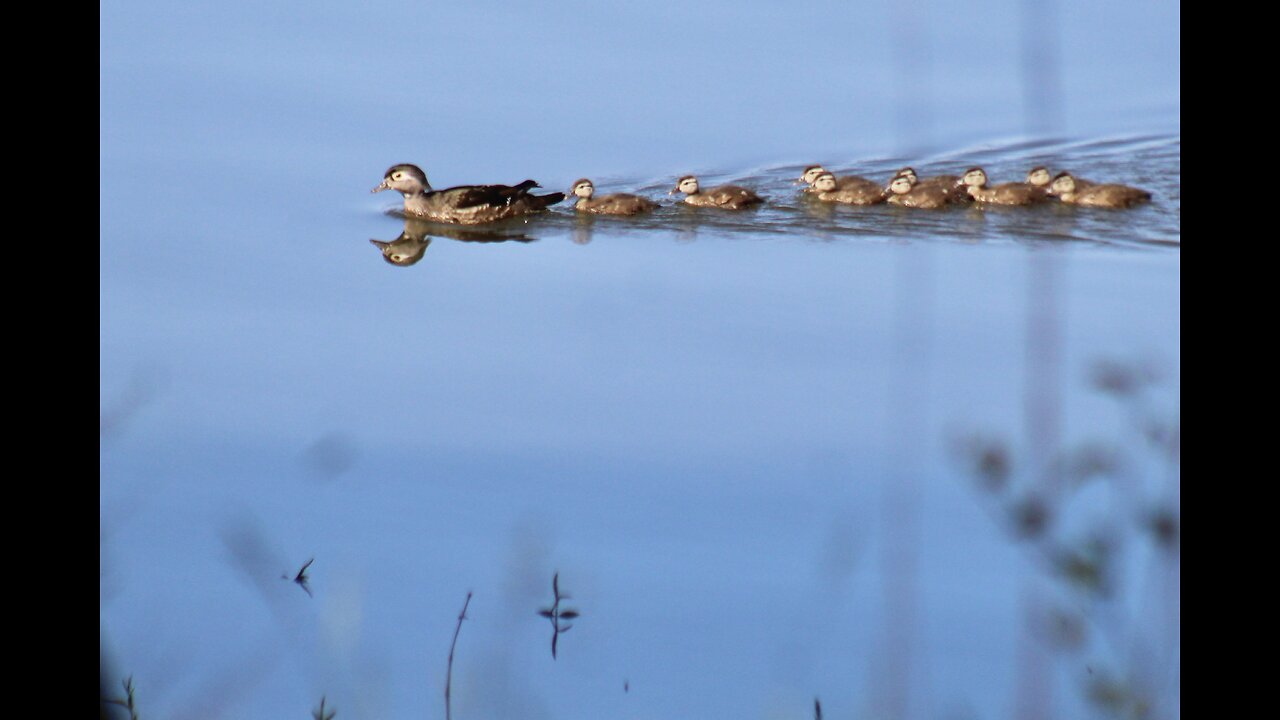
column 465, row 204
column 729, row 197
column 1080, row 184
column 921, row 195
column 848, row 182
column 827, row 188
column 1067, row 188
column 1039, row 176
column 615, row 204
column 1012, row 193
column 947, row 181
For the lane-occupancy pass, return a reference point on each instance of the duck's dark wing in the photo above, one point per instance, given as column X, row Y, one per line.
column 466, row 196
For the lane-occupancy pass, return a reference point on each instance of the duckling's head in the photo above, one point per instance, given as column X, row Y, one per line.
column 687, row 185
column 826, row 182
column 407, row 179
column 974, row 177
column 1039, row 176
column 583, row 189
column 1063, row 184
column 909, row 173
column 901, row 184
column 811, row 174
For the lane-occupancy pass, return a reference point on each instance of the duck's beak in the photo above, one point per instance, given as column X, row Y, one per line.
column 379, row 244
column 381, row 186
column 674, row 190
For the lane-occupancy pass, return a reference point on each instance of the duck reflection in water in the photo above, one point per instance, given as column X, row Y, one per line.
column 408, row 249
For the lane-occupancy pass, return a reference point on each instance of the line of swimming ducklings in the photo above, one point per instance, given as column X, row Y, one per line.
column 475, row 204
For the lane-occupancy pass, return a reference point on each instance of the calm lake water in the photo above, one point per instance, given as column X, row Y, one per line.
column 916, row 464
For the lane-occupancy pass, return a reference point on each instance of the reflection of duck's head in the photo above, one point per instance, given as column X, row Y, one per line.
column 583, row 188
column 403, row 252
column 405, row 178
column 408, row 248
column 1039, row 176
column 687, row 185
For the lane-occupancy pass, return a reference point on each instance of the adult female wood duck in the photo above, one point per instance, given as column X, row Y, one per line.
column 465, row 204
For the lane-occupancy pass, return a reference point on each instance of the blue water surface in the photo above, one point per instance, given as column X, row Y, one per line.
column 743, row 441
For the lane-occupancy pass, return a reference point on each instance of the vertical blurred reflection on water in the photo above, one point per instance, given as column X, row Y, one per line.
column 912, row 53
column 1042, row 107
column 1041, row 75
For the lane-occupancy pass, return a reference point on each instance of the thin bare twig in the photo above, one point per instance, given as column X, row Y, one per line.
column 448, row 678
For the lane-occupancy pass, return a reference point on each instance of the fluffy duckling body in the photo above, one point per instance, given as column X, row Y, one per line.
column 921, row 195
column 465, row 204
column 826, row 188
column 1068, row 190
column 952, row 184
column 613, row 204
column 946, row 181
column 1012, row 193
column 1039, row 177
column 729, row 197
column 848, row 182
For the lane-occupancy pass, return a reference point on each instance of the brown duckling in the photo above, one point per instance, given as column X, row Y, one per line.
column 1039, row 176
column 1012, row 193
column 921, row 195
column 1068, row 190
column 614, row 204
column 847, row 182
column 947, row 181
column 827, row 189
column 465, row 204
column 729, row 197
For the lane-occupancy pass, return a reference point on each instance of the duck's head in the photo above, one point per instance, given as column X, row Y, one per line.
column 1039, row 176
column 407, row 179
column 901, row 184
column 687, row 185
column 826, row 182
column 583, row 189
column 974, row 177
column 811, row 174
column 1063, row 184
column 909, row 173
